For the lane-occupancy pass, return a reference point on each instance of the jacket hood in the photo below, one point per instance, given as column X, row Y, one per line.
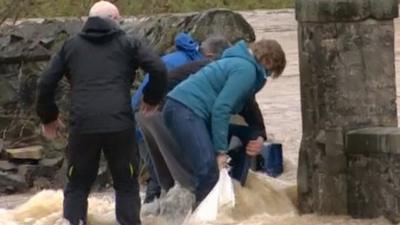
column 97, row 29
column 241, row 50
column 185, row 43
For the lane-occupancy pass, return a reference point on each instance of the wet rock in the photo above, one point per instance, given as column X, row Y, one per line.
column 8, row 92
column 7, row 166
column 28, row 51
column 36, row 176
column 60, row 178
column 41, row 183
column 28, row 153
column 27, row 171
column 160, row 30
column 46, row 168
column 52, row 164
column 2, row 147
column 11, row 183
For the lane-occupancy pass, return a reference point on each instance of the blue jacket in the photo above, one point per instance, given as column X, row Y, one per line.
column 221, row 89
column 187, row 50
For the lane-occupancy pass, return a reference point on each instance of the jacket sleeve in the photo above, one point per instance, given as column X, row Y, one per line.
column 137, row 97
column 46, row 107
column 236, row 90
column 152, row 64
column 253, row 117
column 179, row 74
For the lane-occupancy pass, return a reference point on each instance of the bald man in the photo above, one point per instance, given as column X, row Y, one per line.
column 100, row 64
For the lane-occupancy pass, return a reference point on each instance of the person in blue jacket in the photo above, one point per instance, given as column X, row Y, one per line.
column 186, row 50
column 198, row 111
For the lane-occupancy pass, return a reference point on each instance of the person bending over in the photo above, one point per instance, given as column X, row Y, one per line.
column 197, row 112
column 186, row 50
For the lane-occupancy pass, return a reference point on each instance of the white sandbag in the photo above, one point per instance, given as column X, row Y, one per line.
column 221, row 196
column 226, row 191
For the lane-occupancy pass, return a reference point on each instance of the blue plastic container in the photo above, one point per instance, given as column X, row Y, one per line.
column 272, row 159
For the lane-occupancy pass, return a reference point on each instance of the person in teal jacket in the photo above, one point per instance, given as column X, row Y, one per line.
column 198, row 111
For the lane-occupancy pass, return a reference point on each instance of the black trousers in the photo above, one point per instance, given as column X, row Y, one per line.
column 83, row 157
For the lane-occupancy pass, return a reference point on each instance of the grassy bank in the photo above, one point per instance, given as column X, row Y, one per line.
column 51, row 8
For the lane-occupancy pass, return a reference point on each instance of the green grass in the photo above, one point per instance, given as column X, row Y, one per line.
column 52, row 8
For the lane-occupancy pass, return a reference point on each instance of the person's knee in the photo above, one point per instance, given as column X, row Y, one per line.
column 211, row 178
column 79, row 179
column 206, row 184
column 125, row 178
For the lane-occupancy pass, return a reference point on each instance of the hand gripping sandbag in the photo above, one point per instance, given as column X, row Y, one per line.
column 221, row 196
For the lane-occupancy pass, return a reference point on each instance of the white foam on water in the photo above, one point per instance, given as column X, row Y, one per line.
column 45, row 208
column 264, row 201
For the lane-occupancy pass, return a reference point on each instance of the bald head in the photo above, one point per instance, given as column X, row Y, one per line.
column 104, row 9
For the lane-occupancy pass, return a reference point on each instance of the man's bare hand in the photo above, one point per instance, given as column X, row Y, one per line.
column 51, row 130
column 147, row 109
column 222, row 160
column 254, row 147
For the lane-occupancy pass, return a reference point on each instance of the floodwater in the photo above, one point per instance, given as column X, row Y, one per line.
column 265, row 200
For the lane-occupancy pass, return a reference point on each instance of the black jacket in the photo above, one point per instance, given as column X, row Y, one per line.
column 100, row 63
column 250, row 112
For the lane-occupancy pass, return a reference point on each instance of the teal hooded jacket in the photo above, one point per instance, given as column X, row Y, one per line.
column 221, row 89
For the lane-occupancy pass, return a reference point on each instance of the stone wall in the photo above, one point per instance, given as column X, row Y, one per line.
column 373, row 172
column 347, row 72
column 26, row 47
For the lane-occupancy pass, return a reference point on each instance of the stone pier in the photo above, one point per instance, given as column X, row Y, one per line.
column 347, row 74
column 373, row 173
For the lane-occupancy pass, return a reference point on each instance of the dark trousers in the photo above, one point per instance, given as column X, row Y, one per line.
column 153, row 189
column 83, row 158
column 165, row 153
column 244, row 133
column 196, row 148
column 240, row 162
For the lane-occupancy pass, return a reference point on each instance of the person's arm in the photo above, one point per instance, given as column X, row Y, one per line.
column 253, row 117
column 179, row 74
column 151, row 63
column 236, row 90
column 46, row 107
column 137, row 97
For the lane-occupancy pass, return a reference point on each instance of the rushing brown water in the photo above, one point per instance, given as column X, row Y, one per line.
column 264, row 201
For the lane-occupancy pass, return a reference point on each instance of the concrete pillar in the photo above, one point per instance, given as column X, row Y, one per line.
column 347, row 74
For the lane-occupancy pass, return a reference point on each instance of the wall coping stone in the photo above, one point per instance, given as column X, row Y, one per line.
column 373, row 140
column 323, row 11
